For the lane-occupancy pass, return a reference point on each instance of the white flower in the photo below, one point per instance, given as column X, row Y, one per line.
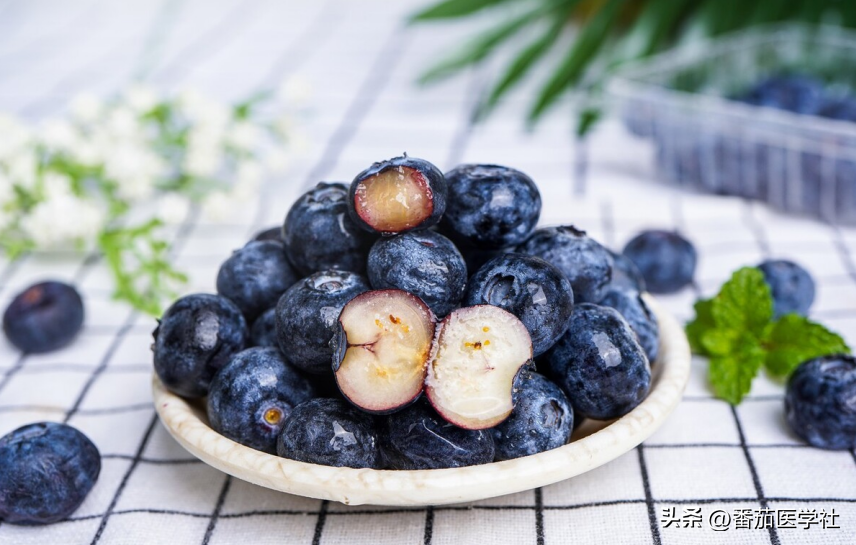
column 135, row 188
column 248, row 179
column 141, row 98
column 15, row 136
column 86, row 107
column 244, row 135
column 21, row 168
column 217, row 206
column 172, row 208
column 296, row 89
column 86, row 152
column 56, row 186
column 133, row 166
column 6, row 191
column 122, row 122
column 277, row 160
column 201, row 161
column 202, row 110
column 81, row 221
column 59, row 134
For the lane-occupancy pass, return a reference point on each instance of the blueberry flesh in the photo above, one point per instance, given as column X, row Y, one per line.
column 424, row 263
column 586, row 263
column 197, row 336
column 599, row 364
column 263, row 330
column 253, row 394
column 272, row 233
column 46, row 471
column 666, row 260
column 307, row 317
column 642, row 321
column 542, row 419
column 44, row 317
column 820, row 402
column 530, row 288
column 625, row 275
column 491, row 206
column 418, row 438
column 792, row 286
column 330, row 432
column 319, row 233
column 255, row 276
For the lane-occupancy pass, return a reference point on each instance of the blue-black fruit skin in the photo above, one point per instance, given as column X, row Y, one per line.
column 272, row 233
column 535, row 291
column 819, row 402
column 330, row 432
column 625, row 275
column 586, row 263
column 319, row 233
column 254, row 381
column 197, row 336
column 602, row 382
column 418, row 438
column 46, row 471
column 542, row 419
column 796, row 93
column 792, row 286
column 255, row 276
column 263, row 330
column 44, row 317
column 424, row 263
column 433, row 176
column 666, row 260
column 307, row 317
column 642, row 321
column 491, row 206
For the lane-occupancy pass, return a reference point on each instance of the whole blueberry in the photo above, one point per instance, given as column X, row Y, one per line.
column 792, row 286
column 307, row 316
column 46, row 471
column 319, row 234
column 820, row 402
column 255, row 276
column 424, row 263
column 44, row 317
column 625, row 275
column 542, row 419
column 599, row 364
column 841, row 109
column 330, row 432
column 491, row 206
column 253, row 394
column 642, row 321
column 263, row 330
column 197, row 336
column 272, row 233
column 586, row 263
column 795, row 93
column 418, row 438
column 666, row 260
column 531, row 289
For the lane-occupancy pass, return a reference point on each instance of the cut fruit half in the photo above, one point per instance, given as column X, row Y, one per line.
column 394, row 200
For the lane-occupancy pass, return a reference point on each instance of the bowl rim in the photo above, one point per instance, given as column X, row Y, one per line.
column 187, row 424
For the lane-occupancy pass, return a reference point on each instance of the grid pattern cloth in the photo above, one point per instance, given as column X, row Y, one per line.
column 362, row 61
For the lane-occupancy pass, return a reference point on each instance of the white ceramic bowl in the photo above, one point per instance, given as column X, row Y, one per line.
column 594, row 444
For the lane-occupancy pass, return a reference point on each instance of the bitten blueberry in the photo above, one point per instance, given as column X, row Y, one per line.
column 530, row 288
column 666, row 260
column 44, row 317
column 330, row 432
column 255, row 276
column 319, row 234
column 263, row 330
column 820, row 402
column 642, row 321
column 599, row 364
column 625, row 275
column 197, row 336
column 253, row 394
column 46, row 471
column 542, row 419
column 491, row 206
column 586, row 263
column 423, row 263
column 307, row 314
column 792, row 286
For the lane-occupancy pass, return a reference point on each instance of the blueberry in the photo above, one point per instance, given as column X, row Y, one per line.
column 46, row 471
column 319, row 234
column 197, row 336
column 272, row 233
column 599, row 364
column 330, row 432
column 666, row 260
column 542, row 419
column 255, row 276
column 625, row 275
column 792, row 286
column 418, row 438
column 252, row 395
column 397, row 195
column 44, row 317
column 642, row 321
column 491, row 206
column 843, row 109
column 263, row 330
column 586, row 263
column 794, row 93
column 307, row 314
column 820, row 402
column 424, row 263
column 531, row 289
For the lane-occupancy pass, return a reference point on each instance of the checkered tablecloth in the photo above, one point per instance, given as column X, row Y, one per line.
column 362, row 62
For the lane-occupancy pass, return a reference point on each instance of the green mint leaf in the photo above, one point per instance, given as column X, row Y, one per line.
column 795, row 339
column 744, row 303
column 702, row 322
column 731, row 375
